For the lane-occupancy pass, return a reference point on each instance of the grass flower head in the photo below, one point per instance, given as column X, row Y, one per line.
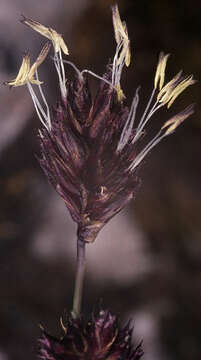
column 88, row 145
column 98, row 339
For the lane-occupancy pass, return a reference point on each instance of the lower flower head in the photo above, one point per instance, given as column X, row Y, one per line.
column 100, row 338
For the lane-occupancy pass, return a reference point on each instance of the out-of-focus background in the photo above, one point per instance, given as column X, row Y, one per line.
column 146, row 263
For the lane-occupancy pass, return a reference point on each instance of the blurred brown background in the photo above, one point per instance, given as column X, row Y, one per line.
column 146, row 263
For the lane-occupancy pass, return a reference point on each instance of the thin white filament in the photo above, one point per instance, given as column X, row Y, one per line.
column 129, row 122
column 151, row 113
column 147, row 149
column 115, row 65
column 74, row 67
column 98, row 77
column 34, row 97
column 59, row 70
column 147, row 108
column 45, row 102
column 57, row 65
column 62, row 68
column 120, row 67
column 40, row 112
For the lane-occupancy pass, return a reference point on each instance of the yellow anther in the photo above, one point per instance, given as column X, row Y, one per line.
column 120, row 94
column 121, row 36
column 27, row 73
column 167, row 89
column 160, row 70
column 180, row 88
column 51, row 34
column 176, row 120
column 174, row 88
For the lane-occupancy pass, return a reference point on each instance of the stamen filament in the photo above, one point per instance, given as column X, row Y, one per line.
column 59, row 70
column 98, row 77
column 62, row 67
column 147, row 149
column 74, row 67
column 147, row 108
column 114, row 65
column 152, row 112
column 129, row 122
column 45, row 102
column 80, row 73
column 38, row 107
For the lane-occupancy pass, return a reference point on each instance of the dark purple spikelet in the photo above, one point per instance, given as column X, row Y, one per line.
column 80, row 159
column 88, row 145
column 98, row 339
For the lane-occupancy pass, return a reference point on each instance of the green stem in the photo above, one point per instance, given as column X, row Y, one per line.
column 79, row 280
